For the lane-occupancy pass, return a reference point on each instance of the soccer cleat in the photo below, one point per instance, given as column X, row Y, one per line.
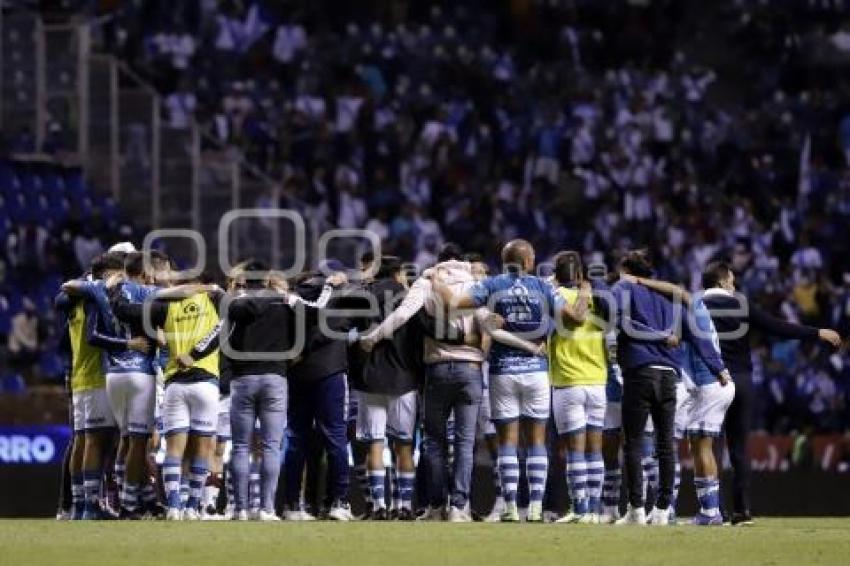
column 340, row 511
column 264, row 515
column 127, row 515
column 703, row 520
column 209, row 513
column 154, row 510
column 742, row 519
column 63, row 515
column 589, row 519
column 609, row 515
column 173, row 514
column 190, row 514
column 458, row 515
column 432, row 514
column 381, row 514
column 535, row 512
column 240, row 515
column 393, row 514
column 659, row 517
column 510, row 514
column 633, row 516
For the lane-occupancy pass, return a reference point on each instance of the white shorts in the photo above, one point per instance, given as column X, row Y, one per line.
column 515, row 395
column 380, row 416
column 190, row 407
column 683, row 410
column 92, row 410
column 160, row 399
column 708, row 409
column 132, row 397
column 613, row 417
column 579, row 407
column 222, row 431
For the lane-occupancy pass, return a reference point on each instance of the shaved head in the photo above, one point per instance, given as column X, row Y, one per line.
column 519, row 255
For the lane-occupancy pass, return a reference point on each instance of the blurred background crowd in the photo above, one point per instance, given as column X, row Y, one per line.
column 699, row 129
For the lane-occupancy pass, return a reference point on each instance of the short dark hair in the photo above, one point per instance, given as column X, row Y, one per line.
column 450, row 251
column 109, row 261
column 714, row 273
column 367, row 257
column 568, row 267
column 637, row 262
column 255, row 272
column 134, row 264
column 390, row 267
column 159, row 259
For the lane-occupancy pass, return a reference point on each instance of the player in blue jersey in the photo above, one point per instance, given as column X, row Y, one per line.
column 130, row 383
column 519, row 380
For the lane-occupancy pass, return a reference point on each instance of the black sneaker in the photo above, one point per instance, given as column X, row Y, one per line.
column 380, row 514
column 393, row 514
column 406, row 515
column 125, row 514
column 154, row 510
column 742, row 519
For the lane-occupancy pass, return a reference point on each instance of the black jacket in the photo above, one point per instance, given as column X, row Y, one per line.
column 260, row 325
column 395, row 365
column 736, row 351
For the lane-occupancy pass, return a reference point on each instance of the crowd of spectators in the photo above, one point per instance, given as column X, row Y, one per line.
column 699, row 129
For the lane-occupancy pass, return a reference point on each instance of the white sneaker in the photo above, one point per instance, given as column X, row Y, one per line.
column 589, row 519
column 457, row 515
column 510, row 514
column 298, row 515
column 239, row 515
column 659, row 517
column 535, row 512
column 340, row 512
column 432, row 514
column 229, row 510
column 609, row 515
column 633, row 516
column 263, row 515
column 570, row 518
column 207, row 516
column 191, row 515
column 496, row 513
column 173, row 514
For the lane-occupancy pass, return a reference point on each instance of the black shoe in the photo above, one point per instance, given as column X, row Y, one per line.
column 154, row 510
column 742, row 519
column 380, row 514
column 125, row 514
column 393, row 515
column 406, row 515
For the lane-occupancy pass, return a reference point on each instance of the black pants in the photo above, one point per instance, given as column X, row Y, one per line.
column 649, row 390
column 737, row 426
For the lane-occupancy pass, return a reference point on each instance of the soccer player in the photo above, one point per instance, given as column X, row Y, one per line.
column 612, row 432
column 578, row 372
column 190, row 407
column 519, row 381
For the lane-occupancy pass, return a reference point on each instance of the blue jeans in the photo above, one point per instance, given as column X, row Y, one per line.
column 255, row 397
column 451, row 386
column 320, row 403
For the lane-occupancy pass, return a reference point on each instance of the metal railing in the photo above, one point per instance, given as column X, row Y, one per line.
column 112, row 120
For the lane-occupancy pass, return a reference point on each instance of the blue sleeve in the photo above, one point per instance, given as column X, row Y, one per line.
column 99, row 339
column 481, row 292
column 62, row 302
column 703, row 346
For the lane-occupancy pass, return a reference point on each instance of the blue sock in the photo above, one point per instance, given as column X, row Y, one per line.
column 576, row 468
column 595, row 477
column 171, row 471
column 405, row 481
column 78, row 494
column 611, row 488
column 197, row 478
column 509, row 471
column 536, row 469
column 708, row 494
column 377, row 478
column 91, row 488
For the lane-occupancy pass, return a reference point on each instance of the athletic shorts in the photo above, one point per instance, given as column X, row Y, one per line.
column 190, row 407
column 613, row 417
column 520, row 395
column 683, row 410
column 380, row 416
column 132, row 397
column 222, row 431
column 708, row 409
column 92, row 410
column 160, row 399
column 579, row 407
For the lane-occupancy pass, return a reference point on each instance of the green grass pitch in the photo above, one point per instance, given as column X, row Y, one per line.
column 769, row 542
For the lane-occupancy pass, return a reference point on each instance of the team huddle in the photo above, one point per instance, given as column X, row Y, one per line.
column 216, row 391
